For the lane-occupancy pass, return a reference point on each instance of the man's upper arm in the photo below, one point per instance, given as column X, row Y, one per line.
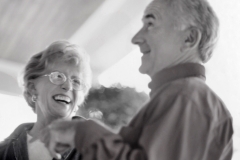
column 225, row 131
column 180, row 131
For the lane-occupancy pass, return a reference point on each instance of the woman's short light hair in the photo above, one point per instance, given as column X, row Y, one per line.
column 55, row 51
column 199, row 14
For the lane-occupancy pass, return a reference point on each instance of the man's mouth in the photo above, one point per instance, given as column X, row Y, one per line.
column 146, row 52
column 62, row 99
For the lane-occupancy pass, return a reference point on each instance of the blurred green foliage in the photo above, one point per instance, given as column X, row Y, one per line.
column 114, row 106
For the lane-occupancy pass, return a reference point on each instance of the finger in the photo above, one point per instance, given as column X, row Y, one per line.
column 45, row 136
column 64, row 140
column 64, row 125
column 52, row 150
column 67, row 138
column 61, row 148
column 40, row 135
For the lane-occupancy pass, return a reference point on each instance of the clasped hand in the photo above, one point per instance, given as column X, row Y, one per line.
column 58, row 137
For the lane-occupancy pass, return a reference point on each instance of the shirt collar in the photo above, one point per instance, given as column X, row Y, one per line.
column 176, row 72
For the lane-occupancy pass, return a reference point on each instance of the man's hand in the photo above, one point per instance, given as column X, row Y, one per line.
column 59, row 136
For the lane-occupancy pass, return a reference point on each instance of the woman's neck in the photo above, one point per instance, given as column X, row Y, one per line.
column 42, row 122
column 38, row 127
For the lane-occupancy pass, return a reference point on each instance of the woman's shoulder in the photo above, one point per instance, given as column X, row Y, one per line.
column 6, row 145
column 16, row 133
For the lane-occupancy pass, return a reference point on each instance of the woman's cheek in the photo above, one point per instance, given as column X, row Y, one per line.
column 79, row 98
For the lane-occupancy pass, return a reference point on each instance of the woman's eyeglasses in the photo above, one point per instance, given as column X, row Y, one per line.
column 58, row 78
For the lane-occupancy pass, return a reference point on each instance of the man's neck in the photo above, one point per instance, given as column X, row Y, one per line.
column 188, row 59
column 176, row 72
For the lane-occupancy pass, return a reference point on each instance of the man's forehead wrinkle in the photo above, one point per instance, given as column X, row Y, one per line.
column 154, row 10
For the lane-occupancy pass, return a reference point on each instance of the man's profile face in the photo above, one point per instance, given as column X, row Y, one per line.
column 158, row 39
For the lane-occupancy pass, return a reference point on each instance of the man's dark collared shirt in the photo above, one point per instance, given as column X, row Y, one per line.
column 184, row 120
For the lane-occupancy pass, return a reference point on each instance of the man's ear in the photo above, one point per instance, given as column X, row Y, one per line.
column 192, row 38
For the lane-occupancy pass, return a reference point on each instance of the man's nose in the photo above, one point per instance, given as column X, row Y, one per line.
column 138, row 38
column 67, row 85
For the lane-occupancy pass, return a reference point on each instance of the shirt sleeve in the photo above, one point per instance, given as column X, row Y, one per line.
column 185, row 131
column 104, row 145
column 225, row 132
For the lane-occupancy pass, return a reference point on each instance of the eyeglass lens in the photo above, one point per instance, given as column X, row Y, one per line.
column 59, row 78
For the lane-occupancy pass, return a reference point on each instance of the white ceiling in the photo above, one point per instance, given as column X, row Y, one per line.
column 103, row 27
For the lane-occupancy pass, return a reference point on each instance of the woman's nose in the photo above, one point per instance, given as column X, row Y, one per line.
column 67, row 85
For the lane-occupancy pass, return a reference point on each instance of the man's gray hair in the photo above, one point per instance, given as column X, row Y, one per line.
column 199, row 14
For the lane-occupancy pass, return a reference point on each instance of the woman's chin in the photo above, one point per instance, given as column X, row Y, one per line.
column 62, row 111
column 59, row 115
column 64, row 114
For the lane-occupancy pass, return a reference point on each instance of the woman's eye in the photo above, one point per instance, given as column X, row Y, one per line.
column 76, row 81
column 59, row 76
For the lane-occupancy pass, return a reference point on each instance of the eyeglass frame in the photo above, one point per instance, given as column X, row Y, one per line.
column 66, row 78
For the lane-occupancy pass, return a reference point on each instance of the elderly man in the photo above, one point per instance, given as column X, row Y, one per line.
column 184, row 119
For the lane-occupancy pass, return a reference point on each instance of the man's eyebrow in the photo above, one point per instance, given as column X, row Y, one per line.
column 150, row 15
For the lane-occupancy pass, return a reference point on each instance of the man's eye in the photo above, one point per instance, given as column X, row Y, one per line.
column 149, row 25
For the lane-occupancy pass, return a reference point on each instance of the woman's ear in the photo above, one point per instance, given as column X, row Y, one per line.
column 31, row 88
column 192, row 38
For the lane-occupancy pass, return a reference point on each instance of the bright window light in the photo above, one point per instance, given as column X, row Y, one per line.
column 13, row 112
column 126, row 73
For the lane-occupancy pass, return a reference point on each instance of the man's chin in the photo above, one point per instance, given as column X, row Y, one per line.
column 143, row 70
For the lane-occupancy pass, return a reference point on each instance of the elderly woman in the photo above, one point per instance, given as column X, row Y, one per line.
column 56, row 82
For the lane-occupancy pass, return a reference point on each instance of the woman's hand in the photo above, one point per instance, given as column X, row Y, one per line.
column 59, row 137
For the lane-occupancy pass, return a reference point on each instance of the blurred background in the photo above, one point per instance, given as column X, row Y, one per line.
column 104, row 28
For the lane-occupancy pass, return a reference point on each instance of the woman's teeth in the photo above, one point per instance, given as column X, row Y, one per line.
column 62, row 98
